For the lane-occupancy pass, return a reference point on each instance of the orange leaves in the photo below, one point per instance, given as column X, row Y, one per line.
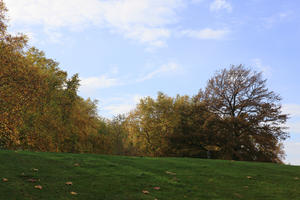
column 73, row 193
column 38, row 187
column 145, row 191
column 69, row 183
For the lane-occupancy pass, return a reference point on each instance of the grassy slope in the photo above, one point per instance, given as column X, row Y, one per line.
column 117, row 178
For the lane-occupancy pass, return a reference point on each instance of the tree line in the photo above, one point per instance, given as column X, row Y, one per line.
column 235, row 117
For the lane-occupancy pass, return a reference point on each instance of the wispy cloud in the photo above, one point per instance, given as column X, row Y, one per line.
column 146, row 21
column 277, row 18
column 88, row 85
column 292, row 109
column 294, row 113
column 205, row 34
column 266, row 69
column 164, row 69
column 123, row 105
column 217, row 5
column 143, row 20
column 292, row 150
column 93, row 83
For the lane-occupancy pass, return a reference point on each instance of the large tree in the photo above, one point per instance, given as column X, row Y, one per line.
column 19, row 83
column 250, row 123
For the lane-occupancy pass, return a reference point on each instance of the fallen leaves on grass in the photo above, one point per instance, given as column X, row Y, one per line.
column 145, row 191
column 249, row 177
column 156, row 188
column 38, row 187
column 32, row 180
column 296, row 178
column 69, row 183
column 36, row 170
column 76, row 165
column 238, row 195
column 4, row 179
column 73, row 193
column 171, row 173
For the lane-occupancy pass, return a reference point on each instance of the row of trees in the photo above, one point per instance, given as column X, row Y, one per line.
column 235, row 117
column 40, row 108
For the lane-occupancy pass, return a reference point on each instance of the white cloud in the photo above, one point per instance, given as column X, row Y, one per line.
column 292, row 109
column 164, row 69
column 205, row 34
column 54, row 13
column 94, row 83
column 154, row 36
column 217, row 5
column 90, row 84
column 124, row 105
column 143, row 20
column 266, row 69
column 292, row 150
column 277, row 18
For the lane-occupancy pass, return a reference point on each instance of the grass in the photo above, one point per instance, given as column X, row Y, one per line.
column 125, row 178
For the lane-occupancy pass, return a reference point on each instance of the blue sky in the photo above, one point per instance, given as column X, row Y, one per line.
column 124, row 50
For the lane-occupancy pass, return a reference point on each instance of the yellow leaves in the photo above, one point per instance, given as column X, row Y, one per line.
column 34, row 169
column 171, row 173
column 73, row 193
column 212, row 148
column 38, row 187
column 238, row 195
column 4, row 179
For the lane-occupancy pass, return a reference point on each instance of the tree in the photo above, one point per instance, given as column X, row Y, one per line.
column 168, row 126
column 19, row 83
column 250, row 123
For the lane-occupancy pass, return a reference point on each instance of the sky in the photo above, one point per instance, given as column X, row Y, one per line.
column 124, row 50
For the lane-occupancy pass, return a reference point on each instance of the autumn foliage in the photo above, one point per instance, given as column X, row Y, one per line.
column 236, row 117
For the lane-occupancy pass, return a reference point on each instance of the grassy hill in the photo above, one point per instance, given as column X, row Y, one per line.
column 116, row 178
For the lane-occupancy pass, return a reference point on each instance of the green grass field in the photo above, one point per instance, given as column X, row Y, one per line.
column 116, row 178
